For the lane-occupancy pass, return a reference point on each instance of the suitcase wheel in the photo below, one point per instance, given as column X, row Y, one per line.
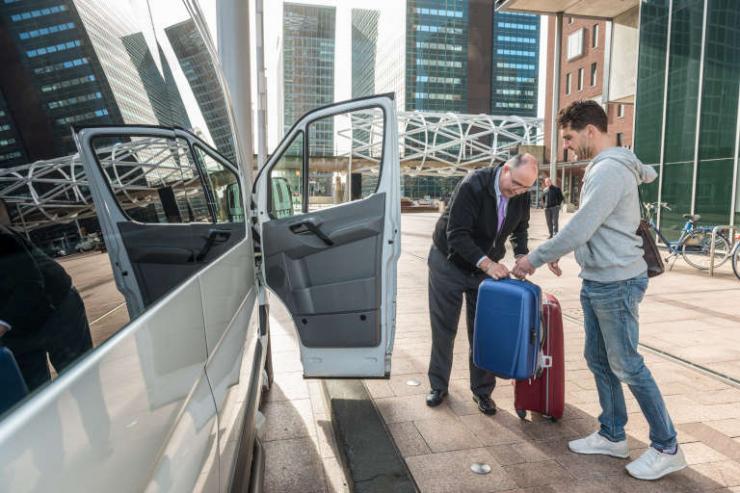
column 552, row 419
column 522, row 413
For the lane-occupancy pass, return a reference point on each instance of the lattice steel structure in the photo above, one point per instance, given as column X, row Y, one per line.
column 431, row 144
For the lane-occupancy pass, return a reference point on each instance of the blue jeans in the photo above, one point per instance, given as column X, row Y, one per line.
column 610, row 313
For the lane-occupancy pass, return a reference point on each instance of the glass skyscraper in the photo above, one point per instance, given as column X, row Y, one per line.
column 686, row 122
column 437, row 55
column 308, row 68
column 55, row 63
column 197, row 65
column 515, row 64
column 364, row 51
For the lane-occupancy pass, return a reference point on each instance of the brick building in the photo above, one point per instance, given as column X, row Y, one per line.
column 584, row 57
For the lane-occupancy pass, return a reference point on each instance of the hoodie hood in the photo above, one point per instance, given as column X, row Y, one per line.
column 642, row 172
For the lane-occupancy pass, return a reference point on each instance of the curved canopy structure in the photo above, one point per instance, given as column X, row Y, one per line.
column 442, row 144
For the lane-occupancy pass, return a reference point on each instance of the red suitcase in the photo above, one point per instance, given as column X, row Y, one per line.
column 545, row 393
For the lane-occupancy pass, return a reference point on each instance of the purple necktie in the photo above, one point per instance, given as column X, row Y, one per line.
column 501, row 212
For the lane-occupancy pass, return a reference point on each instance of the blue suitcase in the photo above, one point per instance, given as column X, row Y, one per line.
column 508, row 332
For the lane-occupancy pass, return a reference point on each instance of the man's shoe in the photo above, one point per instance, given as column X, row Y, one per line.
column 485, row 404
column 435, row 397
column 595, row 444
column 652, row 464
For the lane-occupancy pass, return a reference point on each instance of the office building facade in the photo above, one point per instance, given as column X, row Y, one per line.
column 308, row 67
column 687, row 122
column 584, row 65
column 364, row 51
column 197, row 65
column 436, row 55
column 515, row 66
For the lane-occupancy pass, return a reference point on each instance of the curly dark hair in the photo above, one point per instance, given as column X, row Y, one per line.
column 578, row 114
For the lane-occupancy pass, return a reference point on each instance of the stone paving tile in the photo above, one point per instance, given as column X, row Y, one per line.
column 494, row 430
column 699, row 453
column 409, row 408
column 403, row 365
column 378, row 389
column 399, row 385
column 714, row 439
column 325, row 440
column 517, row 453
column 446, row 435
column 293, row 465
column 288, row 386
column 408, row 439
column 450, row 472
column 334, row 475
column 537, row 473
column 730, row 427
column 289, row 419
column 712, row 475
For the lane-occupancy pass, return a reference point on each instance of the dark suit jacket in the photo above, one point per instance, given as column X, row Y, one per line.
column 553, row 197
column 23, row 302
column 31, row 286
column 468, row 228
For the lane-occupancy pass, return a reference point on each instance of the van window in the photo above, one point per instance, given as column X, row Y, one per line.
column 344, row 158
column 286, row 181
column 224, row 187
column 154, row 179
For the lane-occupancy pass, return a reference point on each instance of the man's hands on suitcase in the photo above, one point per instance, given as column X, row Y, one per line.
column 495, row 270
column 523, row 267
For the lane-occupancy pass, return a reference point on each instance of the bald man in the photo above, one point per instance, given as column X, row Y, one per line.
column 487, row 207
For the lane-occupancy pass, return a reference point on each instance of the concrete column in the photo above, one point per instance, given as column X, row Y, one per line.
column 555, row 95
column 234, row 53
column 261, row 84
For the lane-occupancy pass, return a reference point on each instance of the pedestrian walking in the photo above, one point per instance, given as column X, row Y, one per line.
column 552, row 198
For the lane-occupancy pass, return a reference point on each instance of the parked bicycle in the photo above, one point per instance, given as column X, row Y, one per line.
column 695, row 242
column 735, row 255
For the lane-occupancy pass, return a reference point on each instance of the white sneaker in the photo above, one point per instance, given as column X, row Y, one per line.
column 653, row 464
column 597, row 444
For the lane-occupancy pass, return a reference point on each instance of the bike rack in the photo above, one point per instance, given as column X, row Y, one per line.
column 731, row 237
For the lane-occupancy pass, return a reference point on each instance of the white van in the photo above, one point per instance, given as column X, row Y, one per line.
column 131, row 93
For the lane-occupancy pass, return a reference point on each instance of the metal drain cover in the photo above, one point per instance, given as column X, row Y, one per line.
column 480, row 468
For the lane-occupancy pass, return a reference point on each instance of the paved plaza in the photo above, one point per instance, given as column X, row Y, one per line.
column 686, row 314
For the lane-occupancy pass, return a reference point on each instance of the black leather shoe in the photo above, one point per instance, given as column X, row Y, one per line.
column 435, row 397
column 485, row 404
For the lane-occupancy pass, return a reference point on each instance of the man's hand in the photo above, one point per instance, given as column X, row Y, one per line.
column 523, row 267
column 496, row 270
column 555, row 268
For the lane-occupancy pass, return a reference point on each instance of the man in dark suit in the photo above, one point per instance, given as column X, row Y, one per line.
column 40, row 310
column 552, row 197
column 487, row 207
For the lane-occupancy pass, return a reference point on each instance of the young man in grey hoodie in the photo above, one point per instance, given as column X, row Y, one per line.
column 603, row 235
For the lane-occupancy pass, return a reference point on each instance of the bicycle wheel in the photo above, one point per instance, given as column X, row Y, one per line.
column 736, row 262
column 696, row 247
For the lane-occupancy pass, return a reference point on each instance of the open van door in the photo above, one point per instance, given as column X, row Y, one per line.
column 328, row 211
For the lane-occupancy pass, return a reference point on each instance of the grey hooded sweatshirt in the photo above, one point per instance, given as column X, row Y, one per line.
column 603, row 231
